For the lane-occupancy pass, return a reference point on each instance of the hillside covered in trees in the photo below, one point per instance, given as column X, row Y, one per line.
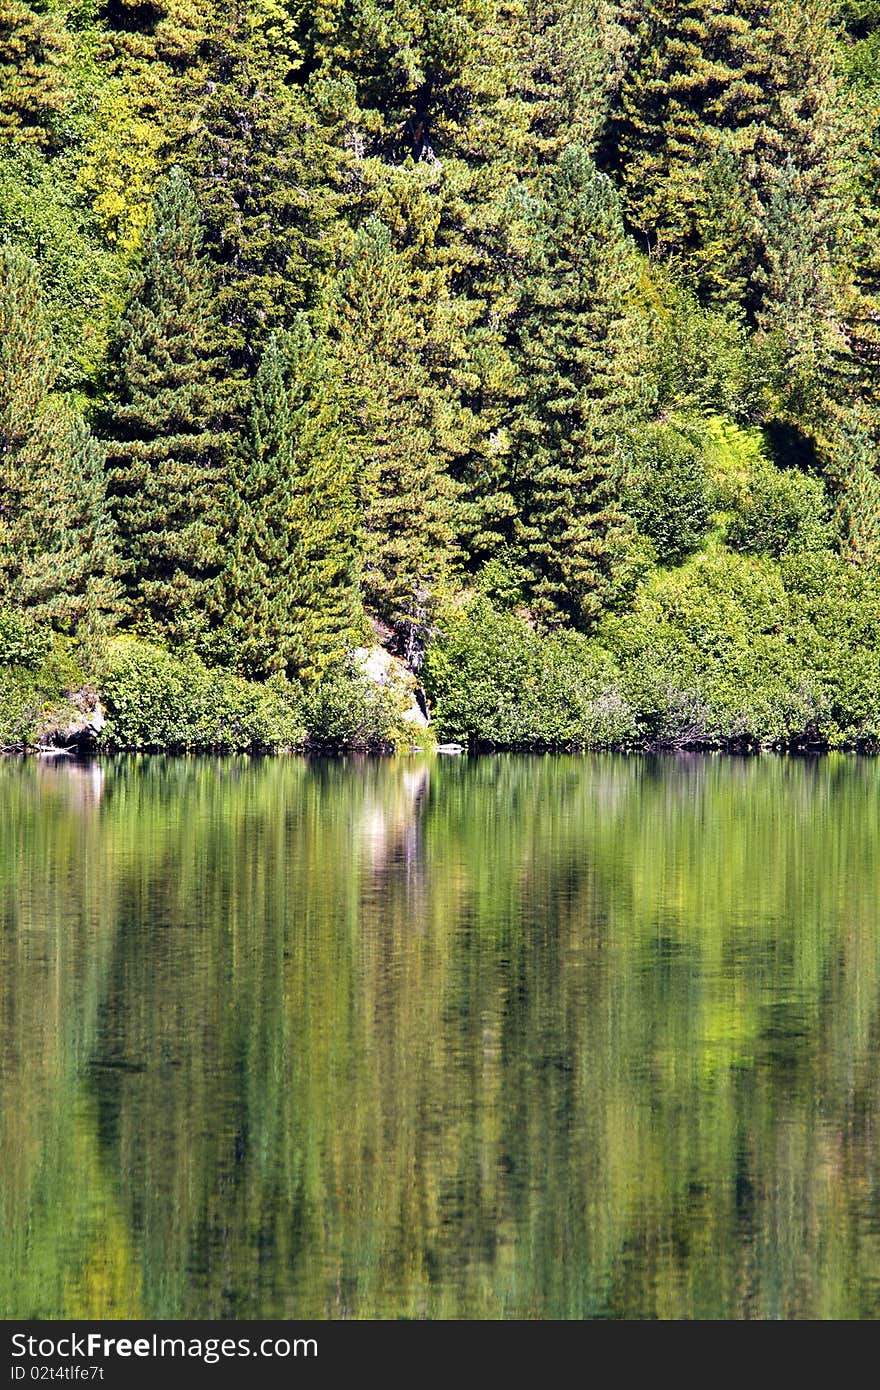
column 542, row 336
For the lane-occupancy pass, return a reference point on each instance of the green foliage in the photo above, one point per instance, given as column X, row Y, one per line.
column 668, row 492
column 393, row 419
column 345, row 708
column 287, row 598
column 58, row 551
column 42, row 214
column 38, row 674
column 23, row 641
column 724, row 142
column 165, row 444
column 492, row 679
column 780, row 513
column 160, row 701
column 737, row 650
column 578, row 350
column 356, row 305
column 32, row 89
column 258, row 186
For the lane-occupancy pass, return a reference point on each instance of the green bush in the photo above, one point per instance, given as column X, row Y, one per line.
column 23, row 642
column 156, row 700
column 668, row 492
column 491, row 679
column 38, row 672
column 741, row 650
column 347, row 709
column 779, row 513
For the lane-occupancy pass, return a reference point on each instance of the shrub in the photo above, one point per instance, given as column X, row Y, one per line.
column 668, row 492
column 156, row 700
column 492, row 679
column 780, row 513
column 346, row 708
column 739, row 649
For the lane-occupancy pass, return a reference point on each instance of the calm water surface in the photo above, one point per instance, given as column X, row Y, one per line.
column 553, row 1038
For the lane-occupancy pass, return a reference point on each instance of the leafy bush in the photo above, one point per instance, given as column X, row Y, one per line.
column 740, row 650
column 492, row 679
column 668, row 492
column 156, row 700
column 346, row 708
column 37, row 674
column 780, row 513
column 23, row 642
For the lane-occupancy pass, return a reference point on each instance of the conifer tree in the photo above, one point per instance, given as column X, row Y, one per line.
column 58, row 551
column 148, row 58
column 33, row 88
column 395, row 419
column 70, row 572
column 256, row 162
column 851, row 468
column 579, row 350
column 287, row 598
column 26, row 376
column 751, row 84
column 566, row 54
column 165, row 445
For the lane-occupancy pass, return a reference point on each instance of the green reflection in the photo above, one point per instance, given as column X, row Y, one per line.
column 555, row 1037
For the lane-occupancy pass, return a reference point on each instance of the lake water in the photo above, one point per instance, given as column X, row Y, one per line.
column 548, row 1038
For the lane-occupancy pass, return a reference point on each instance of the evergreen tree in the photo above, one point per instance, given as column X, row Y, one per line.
column 33, row 89
column 580, row 350
column 255, row 162
column 395, row 419
column 165, row 446
column 851, row 467
column 747, row 83
column 26, row 435
column 567, row 51
column 70, row 573
column 148, row 58
column 58, row 551
column 287, row 599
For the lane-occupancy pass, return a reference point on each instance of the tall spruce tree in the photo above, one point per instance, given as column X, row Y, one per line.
column 750, row 84
column 287, row 598
column 165, row 444
column 33, row 85
column 580, row 349
column 255, row 161
column 567, row 52
column 70, row 574
column 58, row 553
column 395, row 419
column 26, row 433
column 851, row 467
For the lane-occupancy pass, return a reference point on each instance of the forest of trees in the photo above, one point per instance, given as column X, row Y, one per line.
column 537, row 326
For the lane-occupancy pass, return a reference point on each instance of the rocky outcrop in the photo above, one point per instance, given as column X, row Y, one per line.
column 388, row 671
column 76, row 724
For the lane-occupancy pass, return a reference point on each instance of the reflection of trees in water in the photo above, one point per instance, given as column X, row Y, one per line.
column 626, row 1064
column 79, row 781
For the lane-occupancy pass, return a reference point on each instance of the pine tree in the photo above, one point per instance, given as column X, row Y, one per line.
column 566, row 55
column 851, row 467
column 57, row 542
column 148, row 57
column 70, row 573
column 33, row 87
column 26, row 435
column 749, row 83
column 579, row 347
column 395, row 418
column 165, row 445
column 287, row 598
column 256, row 161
